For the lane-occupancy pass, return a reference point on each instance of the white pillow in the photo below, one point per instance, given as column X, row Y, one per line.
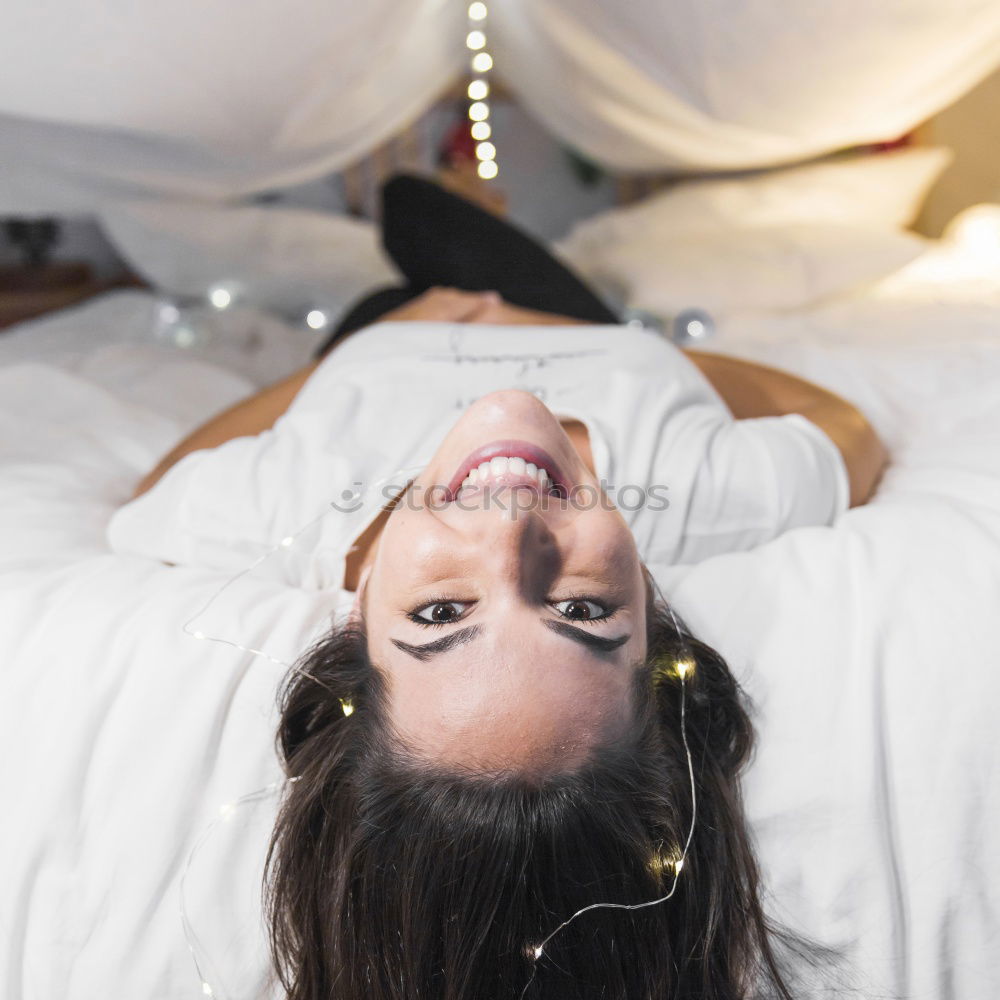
column 288, row 260
column 766, row 267
column 875, row 190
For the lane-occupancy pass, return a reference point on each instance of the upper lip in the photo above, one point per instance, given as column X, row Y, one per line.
column 509, row 449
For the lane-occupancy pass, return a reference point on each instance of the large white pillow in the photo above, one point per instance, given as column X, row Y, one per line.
column 288, row 260
column 877, row 190
column 764, row 267
column 773, row 239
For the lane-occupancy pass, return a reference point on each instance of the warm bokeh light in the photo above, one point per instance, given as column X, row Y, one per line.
column 487, row 169
column 479, row 111
column 475, row 40
column 482, row 62
column 486, row 151
column 481, row 130
column 478, row 89
column 477, row 11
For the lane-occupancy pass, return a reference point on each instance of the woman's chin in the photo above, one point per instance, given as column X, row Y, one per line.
column 510, row 414
column 509, row 408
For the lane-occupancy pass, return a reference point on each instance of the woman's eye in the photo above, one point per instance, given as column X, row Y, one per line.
column 439, row 612
column 581, row 609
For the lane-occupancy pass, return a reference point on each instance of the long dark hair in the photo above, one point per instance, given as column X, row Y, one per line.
column 388, row 879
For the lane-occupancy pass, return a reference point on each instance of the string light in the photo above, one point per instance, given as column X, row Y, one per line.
column 286, row 543
column 681, row 668
column 220, row 297
column 661, row 863
column 226, row 811
column 316, row 319
column 478, row 90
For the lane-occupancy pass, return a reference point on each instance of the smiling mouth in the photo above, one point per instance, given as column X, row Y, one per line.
column 510, row 464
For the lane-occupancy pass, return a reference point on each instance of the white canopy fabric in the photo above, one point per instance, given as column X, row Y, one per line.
column 207, row 99
column 734, row 84
column 217, row 99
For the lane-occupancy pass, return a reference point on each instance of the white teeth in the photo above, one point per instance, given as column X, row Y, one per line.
column 502, row 465
column 466, row 482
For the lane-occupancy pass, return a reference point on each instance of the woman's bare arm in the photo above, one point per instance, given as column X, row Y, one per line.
column 250, row 416
column 752, row 390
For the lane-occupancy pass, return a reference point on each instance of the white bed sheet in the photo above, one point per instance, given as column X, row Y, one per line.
column 870, row 649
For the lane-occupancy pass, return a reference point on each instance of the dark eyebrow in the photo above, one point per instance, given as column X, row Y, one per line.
column 587, row 638
column 428, row 649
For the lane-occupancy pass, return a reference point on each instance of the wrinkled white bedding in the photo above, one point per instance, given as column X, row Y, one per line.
column 870, row 649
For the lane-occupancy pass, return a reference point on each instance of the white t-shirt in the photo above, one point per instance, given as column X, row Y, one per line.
column 690, row 480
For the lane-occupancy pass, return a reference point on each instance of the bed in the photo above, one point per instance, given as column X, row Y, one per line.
column 869, row 648
column 137, row 699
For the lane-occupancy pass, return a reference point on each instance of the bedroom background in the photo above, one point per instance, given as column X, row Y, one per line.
column 547, row 185
column 751, row 166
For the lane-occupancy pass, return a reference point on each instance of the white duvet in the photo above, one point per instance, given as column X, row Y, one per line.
column 870, row 648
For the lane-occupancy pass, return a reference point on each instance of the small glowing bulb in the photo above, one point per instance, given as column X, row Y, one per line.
column 487, row 169
column 475, row 40
column 347, row 706
column 315, row 319
column 535, row 951
column 477, row 11
column 478, row 89
column 481, row 130
column 287, row 541
column 220, row 297
column 661, row 863
column 479, row 111
column 683, row 668
column 482, row 62
column 199, row 635
column 486, row 151
column 695, row 328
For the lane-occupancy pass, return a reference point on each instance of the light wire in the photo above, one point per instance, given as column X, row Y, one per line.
column 683, row 667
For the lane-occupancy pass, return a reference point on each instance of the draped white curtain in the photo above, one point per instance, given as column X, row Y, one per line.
column 207, row 99
column 733, row 84
column 216, row 99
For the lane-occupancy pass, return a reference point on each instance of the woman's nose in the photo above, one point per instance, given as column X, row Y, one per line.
column 515, row 537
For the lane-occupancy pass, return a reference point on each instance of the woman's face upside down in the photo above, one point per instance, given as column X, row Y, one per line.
column 506, row 606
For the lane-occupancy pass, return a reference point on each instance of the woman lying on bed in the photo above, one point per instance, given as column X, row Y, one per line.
column 492, row 739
